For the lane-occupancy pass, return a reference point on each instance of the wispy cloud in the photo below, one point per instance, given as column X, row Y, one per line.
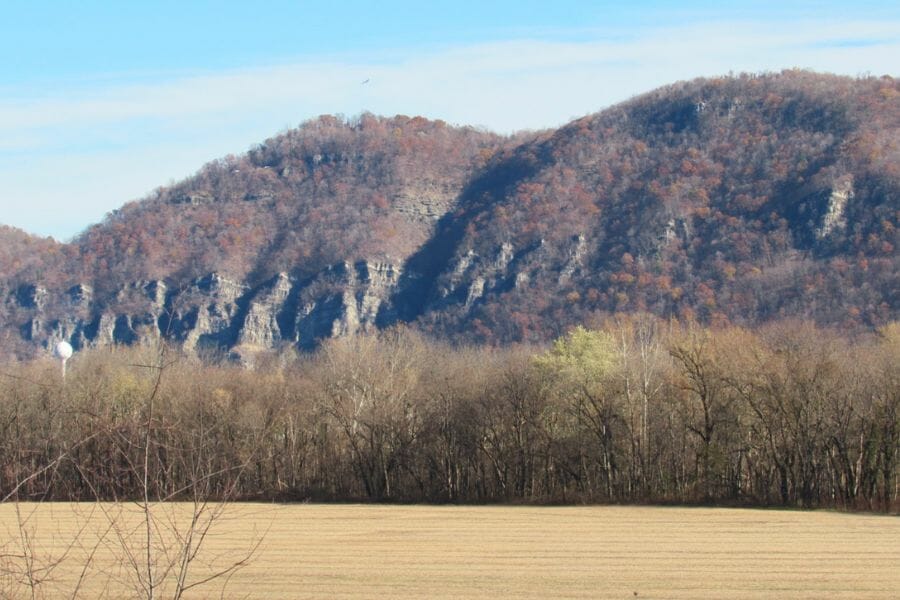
column 854, row 43
column 77, row 153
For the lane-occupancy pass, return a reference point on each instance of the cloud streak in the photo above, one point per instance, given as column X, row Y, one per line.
column 123, row 133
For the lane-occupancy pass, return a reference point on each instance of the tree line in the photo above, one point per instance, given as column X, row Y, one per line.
column 638, row 410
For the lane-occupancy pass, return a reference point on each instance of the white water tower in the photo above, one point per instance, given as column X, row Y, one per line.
column 63, row 351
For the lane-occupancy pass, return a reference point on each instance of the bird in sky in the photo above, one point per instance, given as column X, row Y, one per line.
column 365, row 82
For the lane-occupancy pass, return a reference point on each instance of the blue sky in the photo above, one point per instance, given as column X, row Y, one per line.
column 101, row 102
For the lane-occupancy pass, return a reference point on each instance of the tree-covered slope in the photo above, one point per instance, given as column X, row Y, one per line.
column 738, row 199
column 327, row 191
column 741, row 199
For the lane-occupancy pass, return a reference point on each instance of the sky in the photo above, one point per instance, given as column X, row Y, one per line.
column 102, row 102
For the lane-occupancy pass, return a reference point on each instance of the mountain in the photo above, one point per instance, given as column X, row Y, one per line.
column 741, row 199
column 737, row 199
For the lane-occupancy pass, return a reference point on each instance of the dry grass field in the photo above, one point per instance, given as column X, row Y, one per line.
column 349, row 551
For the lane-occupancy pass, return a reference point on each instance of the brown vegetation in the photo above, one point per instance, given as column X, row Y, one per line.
column 733, row 200
column 640, row 410
column 705, row 199
column 451, row 552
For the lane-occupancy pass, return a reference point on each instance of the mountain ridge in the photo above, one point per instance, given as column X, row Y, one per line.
column 736, row 199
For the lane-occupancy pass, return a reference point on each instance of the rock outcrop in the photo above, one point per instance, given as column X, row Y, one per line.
column 835, row 218
column 217, row 315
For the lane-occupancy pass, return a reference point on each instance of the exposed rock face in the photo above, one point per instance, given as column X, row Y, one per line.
column 215, row 314
column 74, row 315
column 204, row 317
column 841, row 194
column 426, row 202
column 354, row 297
column 262, row 323
column 81, row 296
column 575, row 260
column 31, row 296
column 471, row 277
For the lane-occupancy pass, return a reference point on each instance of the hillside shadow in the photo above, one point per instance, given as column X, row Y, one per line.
column 416, row 287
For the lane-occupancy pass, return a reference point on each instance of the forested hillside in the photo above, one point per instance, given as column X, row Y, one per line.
column 300, row 201
column 24, row 257
column 735, row 200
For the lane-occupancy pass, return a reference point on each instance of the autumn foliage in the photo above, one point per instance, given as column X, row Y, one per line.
column 734, row 200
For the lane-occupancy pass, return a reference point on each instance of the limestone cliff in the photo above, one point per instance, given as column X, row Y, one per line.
column 215, row 314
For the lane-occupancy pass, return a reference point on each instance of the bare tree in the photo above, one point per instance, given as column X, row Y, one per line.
column 171, row 455
column 368, row 385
